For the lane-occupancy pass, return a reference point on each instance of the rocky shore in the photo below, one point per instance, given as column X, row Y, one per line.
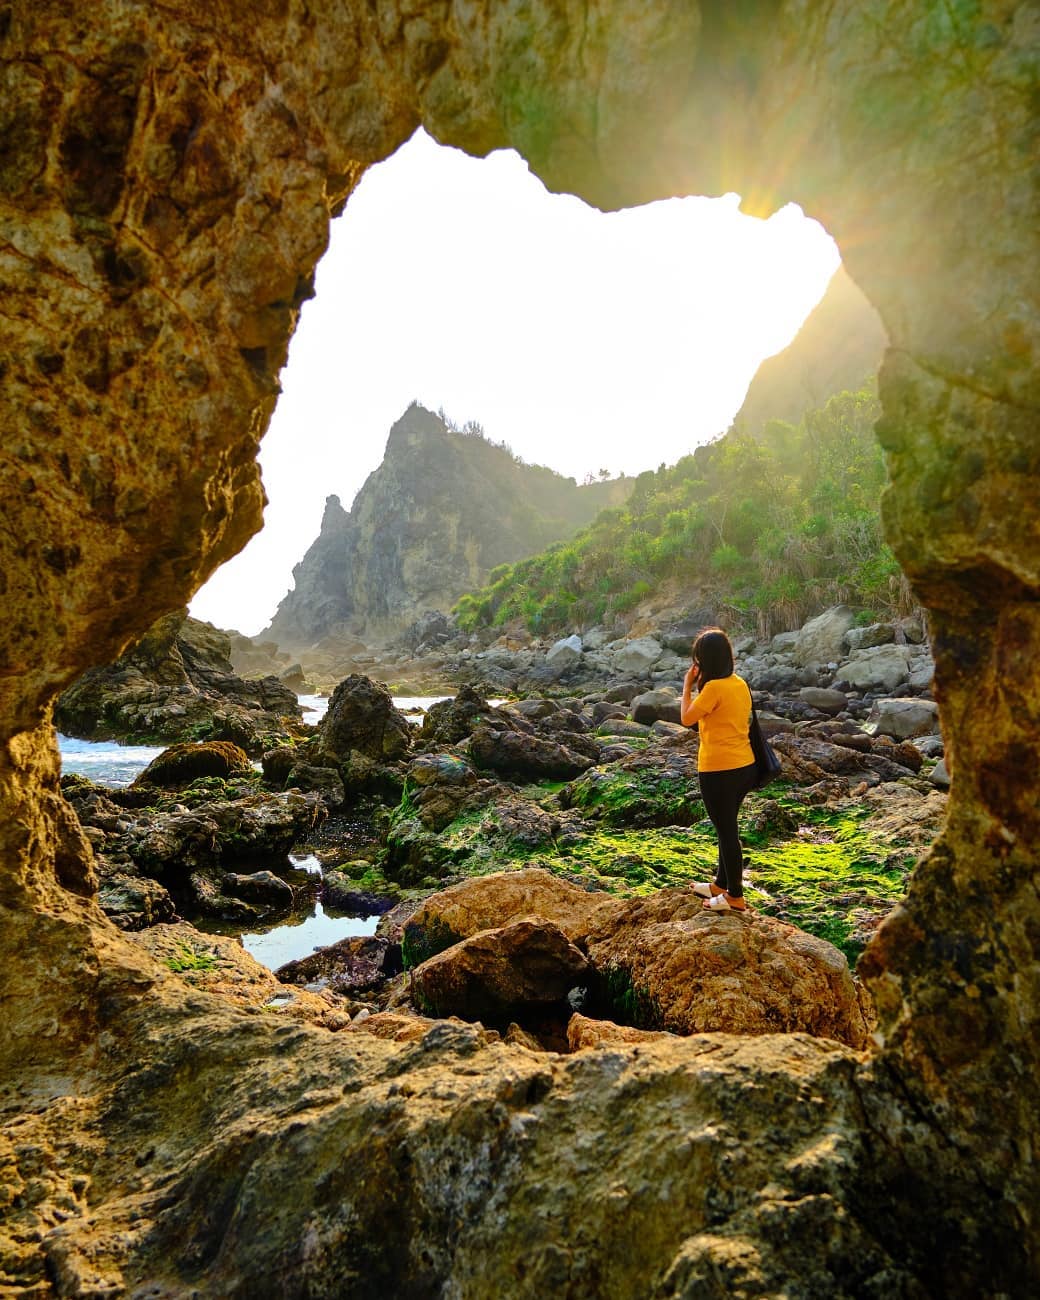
column 178, row 684
column 532, row 861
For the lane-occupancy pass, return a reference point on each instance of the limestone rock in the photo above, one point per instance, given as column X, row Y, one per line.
column 496, row 974
column 821, row 640
column 177, row 684
column 168, row 180
column 449, row 721
column 485, row 902
column 565, row 652
column 440, row 512
column 882, row 667
column 661, row 705
column 350, row 965
column 862, row 638
column 525, row 757
column 583, row 1033
column 671, row 965
column 839, row 347
column 827, row 701
column 637, row 656
column 906, row 718
column 217, row 964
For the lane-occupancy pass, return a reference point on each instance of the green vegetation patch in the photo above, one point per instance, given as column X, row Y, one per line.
column 774, row 527
column 831, row 876
column 634, row 798
column 186, row 958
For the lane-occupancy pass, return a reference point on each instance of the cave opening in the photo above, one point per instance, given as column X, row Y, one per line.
column 151, row 285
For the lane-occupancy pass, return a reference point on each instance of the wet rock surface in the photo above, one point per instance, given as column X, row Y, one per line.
column 178, row 684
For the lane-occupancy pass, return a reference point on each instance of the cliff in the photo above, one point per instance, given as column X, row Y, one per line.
column 839, row 347
column 441, row 511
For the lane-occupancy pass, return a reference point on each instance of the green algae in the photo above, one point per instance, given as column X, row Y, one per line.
column 821, row 868
column 635, row 798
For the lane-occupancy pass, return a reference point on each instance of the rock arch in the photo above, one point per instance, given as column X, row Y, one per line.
column 166, row 180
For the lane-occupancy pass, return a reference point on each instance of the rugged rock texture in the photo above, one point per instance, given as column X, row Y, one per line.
column 177, row 683
column 839, row 347
column 497, row 974
column 441, row 511
column 668, row 964
column 167, row 179
column 472, row 906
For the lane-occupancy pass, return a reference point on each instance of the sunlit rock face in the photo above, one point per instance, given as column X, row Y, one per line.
column 166, row 179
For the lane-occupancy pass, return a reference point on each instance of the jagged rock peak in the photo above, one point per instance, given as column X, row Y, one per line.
column 444, row 508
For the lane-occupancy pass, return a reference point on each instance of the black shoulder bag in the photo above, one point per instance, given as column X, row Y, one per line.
column 767, row 760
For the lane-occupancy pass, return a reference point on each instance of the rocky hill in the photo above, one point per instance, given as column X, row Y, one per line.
column 839, row 347
column 439, row 514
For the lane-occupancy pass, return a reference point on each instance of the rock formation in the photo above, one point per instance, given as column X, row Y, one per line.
column 177, row 683
column 441, row 511
column 167, row 179
column 839, row 347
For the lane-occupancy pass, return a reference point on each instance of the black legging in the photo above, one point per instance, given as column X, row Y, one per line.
column 723, row 793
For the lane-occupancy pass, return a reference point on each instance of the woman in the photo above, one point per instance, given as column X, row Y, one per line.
column 725, row 764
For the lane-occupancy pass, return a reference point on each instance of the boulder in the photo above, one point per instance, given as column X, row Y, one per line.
column 603, row 709
column 515, row 754
column 565, row 652
column 498, row 974
column 783, row 643
column 862, row 638
column 821, row 639
column 181, row 764
column 827, row 701
column 904, row 718
column 218, row 964
column 361, row 717
column 534, row 708
column 277, row 763
column 325, row 781
column 940, row 775
column 349, row 966
column 482, row 903
column 449, row 721
column 442, row 768
column 661, row 705
column 132, row 901
column 260, row 887
column 583, row 1033
column 622, row 727
column 663, row 962
column 168, row 845
column 882, row 667
column 637, row 656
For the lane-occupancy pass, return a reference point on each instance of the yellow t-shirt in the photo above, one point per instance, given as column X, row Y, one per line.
column 723, row 710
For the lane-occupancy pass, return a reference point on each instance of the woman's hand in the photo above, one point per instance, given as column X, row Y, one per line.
column 692, row 678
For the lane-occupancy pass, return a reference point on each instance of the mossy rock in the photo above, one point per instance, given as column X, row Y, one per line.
column 181, row 764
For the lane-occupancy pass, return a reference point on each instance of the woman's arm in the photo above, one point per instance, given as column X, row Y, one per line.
column 692, row 710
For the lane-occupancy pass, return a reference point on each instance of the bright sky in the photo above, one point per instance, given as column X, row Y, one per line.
column 584, row 340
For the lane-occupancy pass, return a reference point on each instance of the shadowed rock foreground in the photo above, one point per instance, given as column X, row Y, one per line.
column 167, row 180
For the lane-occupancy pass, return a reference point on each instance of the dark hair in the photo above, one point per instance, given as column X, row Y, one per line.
column 713, row 654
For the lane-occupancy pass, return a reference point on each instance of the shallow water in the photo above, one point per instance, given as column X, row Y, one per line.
column 112, row 764
column 295, row 936
column 105, row 762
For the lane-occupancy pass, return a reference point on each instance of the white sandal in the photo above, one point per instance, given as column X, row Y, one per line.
column 705, row 888
column 720, row 903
